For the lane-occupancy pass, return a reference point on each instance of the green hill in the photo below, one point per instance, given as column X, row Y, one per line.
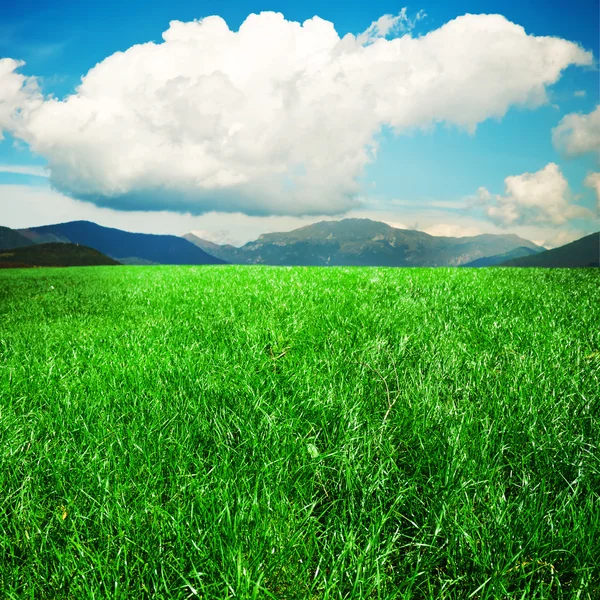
column 53, row 255
column 584, row 252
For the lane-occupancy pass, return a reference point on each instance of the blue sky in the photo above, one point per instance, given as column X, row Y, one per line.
column 422, row 176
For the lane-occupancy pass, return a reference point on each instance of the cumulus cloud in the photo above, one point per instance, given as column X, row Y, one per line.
column 593, row 181
column 275, row 118
column 578, row 134
column 539, row 198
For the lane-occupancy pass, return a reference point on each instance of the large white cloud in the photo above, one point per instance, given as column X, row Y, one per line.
column 578, row 134
column 538, row 198
column 276, row 118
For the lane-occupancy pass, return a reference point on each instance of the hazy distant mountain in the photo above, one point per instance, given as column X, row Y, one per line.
column 53, row 255
column 363, row 242
column 210, row 247
column 584, row 252
column 9, row 238
column 133, row 248
column 490, row 261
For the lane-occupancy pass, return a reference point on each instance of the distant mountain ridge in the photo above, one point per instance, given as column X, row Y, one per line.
column 363, row 242
column 133, row 248
column 490, row 261
column 360, row 242
column 584, row 252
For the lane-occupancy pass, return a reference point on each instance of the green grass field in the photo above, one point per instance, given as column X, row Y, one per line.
column 310, row 433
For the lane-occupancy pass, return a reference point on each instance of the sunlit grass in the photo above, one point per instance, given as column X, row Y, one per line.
column 254, row 432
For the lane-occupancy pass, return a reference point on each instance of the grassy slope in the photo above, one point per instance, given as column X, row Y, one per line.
column 54, row 255
column 299, row 433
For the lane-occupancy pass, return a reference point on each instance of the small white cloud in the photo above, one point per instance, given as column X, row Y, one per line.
column 481, row 198
column 561, row 238
column 34, row 170
column 578, row 134
column 394, row 223
column 579, row 94
column 453, row 230
column 593, row 181
column 538, row 198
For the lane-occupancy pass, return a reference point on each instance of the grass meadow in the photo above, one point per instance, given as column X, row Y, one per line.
column 299, row 433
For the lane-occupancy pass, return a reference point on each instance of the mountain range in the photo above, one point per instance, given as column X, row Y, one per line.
column 359, row 242
column 123, row 246
column 363, row 242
